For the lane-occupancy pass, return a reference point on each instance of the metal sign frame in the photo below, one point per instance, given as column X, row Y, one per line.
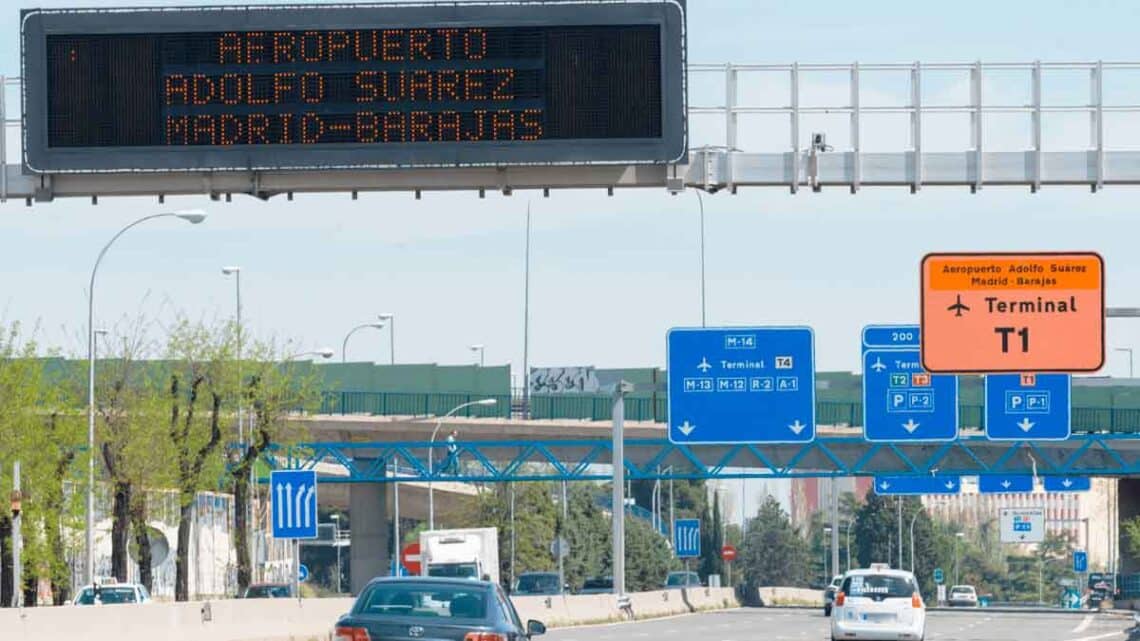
column 36, row 24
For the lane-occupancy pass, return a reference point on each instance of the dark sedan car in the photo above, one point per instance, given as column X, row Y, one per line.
column 424, row 608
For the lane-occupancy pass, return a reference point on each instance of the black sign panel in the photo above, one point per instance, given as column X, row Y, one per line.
column 305, row 87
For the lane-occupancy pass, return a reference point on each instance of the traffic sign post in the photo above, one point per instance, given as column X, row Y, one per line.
column 901, row 401
column 687, row 538
column 1028, row 407
column 1022, row 525
column 1012, row 312
column 1005, row 484
column 1067, row 483
column 939, row 577
column 728, row 555
column 916, row 485
column 741, row 385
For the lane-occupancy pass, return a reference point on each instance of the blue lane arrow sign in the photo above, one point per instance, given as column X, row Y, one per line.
column 687, row 538
column 302, row 573
column 1028, row 407
column 741, row 385
column 901, row 401
column 916, row 485
column 1068, row 484
column 293, row 502
column 1080, row 561
column 1004, row 484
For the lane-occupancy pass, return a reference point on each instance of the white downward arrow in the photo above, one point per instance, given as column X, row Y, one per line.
column 1005, row 484
column 949, row 485
column 1067, row 483
column 797, row 427
column 910, row 426
column 1026, row 424
column 885, row 485
column 686, row 428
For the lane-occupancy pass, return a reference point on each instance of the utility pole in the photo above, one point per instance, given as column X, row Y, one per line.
column 834, row 527
column 561, row 536
column 17, row 540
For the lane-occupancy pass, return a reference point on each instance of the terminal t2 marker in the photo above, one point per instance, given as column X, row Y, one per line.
column 901, row 401
column 741, row 385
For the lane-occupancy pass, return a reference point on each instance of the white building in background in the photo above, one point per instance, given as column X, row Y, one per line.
column 1087, row 518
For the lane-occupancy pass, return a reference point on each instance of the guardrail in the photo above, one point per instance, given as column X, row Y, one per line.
column 654, row 408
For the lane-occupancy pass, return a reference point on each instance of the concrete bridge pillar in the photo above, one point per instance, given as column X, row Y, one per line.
column 368, row 518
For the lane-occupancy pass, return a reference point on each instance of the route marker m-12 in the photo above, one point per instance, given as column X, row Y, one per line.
column 901, row 401
column 741, row 385
column 293, row 499
column 1023, row 407
column 1012, row 312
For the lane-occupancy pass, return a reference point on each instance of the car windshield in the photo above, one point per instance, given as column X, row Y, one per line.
column 537, row 583
column 267, row 592
column 454, row 571
column 107, row 595
column 681, row 578
column 878, row 586
column 424, row 600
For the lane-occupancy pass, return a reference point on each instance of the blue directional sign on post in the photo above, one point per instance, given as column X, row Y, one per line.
column 1068, row 484
column 687, row 538
column 901, row 401
column 741, row 385
column 1080, row 561
column 1005, row 483
column 302, row 572
column 917, row 485
column 293, row 497
column 1022, row 407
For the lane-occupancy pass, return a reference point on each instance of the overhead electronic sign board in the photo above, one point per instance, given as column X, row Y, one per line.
column 354, row 86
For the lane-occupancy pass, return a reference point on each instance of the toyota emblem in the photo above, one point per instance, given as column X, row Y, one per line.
column 415, row 631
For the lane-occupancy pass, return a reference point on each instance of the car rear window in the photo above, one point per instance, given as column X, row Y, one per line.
column 107, row 595
column 598, row 584
column 878, row 586
column 538, row 583
column 424, row 600
column 962, row 591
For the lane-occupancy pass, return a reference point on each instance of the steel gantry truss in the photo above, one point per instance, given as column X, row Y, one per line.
column 797, row 95
column 648, row 459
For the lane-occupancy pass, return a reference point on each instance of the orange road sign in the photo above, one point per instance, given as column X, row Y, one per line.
column 1013, row 312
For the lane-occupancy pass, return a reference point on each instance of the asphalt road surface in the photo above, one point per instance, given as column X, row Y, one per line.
column 759, row 624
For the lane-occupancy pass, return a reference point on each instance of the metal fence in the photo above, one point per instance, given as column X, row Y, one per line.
column 589, row 407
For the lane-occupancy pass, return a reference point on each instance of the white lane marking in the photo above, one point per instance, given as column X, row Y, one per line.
column 1083, row 625
column 1117, row 634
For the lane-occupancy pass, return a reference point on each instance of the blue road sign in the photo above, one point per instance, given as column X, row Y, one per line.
column 916, row 485
column 1068, row 484
column 901, row 401
column 1080, row 561
column 293, row 495
column 687, row 538
column 741, row 385
column 939, row 577
column 1005, row 483
column 1021, row 407
column 302, row 573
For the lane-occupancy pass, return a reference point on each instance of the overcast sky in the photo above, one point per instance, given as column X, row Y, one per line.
column 611, row 275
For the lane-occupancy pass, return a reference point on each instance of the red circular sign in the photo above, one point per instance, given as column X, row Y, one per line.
column 728, row 553
column 410, row 558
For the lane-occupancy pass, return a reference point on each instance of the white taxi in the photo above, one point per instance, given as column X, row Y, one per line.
column 878, row 604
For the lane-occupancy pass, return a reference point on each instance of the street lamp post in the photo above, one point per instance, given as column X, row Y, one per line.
column 391, row 320
column 431, row 453
column 344, row 344
column 480, row 349
column 913, row 519
column 826, row 577
column 849, row 546
column 957, row 540
column 193, row 217
column 336, row 544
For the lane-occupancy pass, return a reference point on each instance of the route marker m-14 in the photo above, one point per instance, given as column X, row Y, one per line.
column 1013, row 312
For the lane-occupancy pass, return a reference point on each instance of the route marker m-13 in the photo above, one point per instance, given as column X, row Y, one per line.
column 1012, row 312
